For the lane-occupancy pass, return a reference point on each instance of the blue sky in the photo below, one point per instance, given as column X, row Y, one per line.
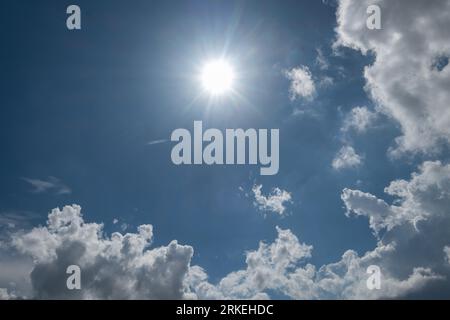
column 84, row 106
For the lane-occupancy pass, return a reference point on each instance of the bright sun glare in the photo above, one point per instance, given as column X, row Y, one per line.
column 217, row 77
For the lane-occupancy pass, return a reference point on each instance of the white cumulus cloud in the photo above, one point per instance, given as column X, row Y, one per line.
column 122, row 266
column 359, row 119
column 412, row 251
column 346, row 158
column 409, row 254
column 274, row 202
column 302, row 84
column 5, row 295
column 404, row 79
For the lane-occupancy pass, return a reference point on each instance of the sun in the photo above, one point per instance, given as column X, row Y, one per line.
column 217, row 77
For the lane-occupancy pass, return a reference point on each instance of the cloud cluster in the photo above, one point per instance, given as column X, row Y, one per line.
column 116, row 267
column 417, row 224
column 419, row 198
column 359, row 119
column 274, row 202
column 5, row 295
column 412, row 252
column 409, row 81
column 266, row 269
column 405, row 80
column 302, row 84
column 346, row 158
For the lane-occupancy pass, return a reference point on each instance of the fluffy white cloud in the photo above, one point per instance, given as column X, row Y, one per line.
column 281, row 267
column 266, row 269
column 274, row 202
column 417, row 224
column 410, row 258
column 302, row 83
column 379, row 212
column 447, row 253
column 14, row 273
column 359, row 119
column 412, row 253
column 116, row 267
column 346, row 158
column 416, row 196
column 5, row 295
column 405, row 79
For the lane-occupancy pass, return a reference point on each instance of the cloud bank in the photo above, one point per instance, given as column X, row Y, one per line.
column 412, row 251
column 405, row 80
column 115, row 267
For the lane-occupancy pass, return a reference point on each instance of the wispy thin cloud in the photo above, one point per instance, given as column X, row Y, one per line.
column 156, row 142
column 321, row 61
column 51, row 184
column 347, row 158
column 14, row 220
column 302, row 84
